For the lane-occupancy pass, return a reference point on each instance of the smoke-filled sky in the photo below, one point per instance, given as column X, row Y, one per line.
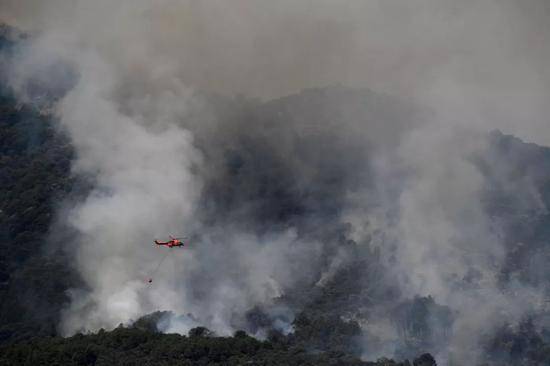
column 397, row 162
column 482, row 60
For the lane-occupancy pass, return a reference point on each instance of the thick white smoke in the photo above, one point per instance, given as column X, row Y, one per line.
column 145, row 172
column 144, row 187
column 449, row 248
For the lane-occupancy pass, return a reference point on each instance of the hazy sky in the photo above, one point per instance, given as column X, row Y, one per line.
column 476, row 60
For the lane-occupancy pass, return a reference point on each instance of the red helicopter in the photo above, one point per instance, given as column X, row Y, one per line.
column 173, row 242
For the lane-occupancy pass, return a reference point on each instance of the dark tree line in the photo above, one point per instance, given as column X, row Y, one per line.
column 135, row 346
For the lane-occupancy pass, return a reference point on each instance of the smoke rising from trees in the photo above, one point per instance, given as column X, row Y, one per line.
column 263, row 189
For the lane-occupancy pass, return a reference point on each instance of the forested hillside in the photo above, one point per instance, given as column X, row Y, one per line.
column 133, row 346
column 34, row 174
